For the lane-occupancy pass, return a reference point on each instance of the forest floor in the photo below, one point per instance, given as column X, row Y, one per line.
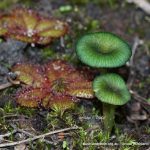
column 132, row 122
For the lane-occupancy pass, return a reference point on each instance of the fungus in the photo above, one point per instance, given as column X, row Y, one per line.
column 103, row 49
column 57, row 85
column 106, row 50
column 111, row 90
column 29, row 26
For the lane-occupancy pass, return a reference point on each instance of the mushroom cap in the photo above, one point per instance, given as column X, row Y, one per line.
column 103, row 49
column 111, row 89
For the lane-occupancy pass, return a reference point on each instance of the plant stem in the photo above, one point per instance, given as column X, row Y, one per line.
column 109, row 116
column 103, row 71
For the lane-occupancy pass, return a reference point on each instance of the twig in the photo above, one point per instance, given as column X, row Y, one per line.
column 136, row 43
column 37, row 137
column 62, row 42
column 6, row 85
column 14, row 115
column 32, row 135
column 7, row 134
column 142, row 100
column 13, row 81
column 10, row 83
column 143, row 4
column 139, row 98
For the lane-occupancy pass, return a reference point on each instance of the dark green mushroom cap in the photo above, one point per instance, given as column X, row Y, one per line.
column 111, row 89
column 103, row 49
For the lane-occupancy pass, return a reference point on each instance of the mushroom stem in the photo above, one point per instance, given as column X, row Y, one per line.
column 103, row 70
column 109, row 116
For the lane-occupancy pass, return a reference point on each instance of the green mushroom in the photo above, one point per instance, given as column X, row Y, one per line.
column 111, row 90
column 103, row 49
column 106, row 50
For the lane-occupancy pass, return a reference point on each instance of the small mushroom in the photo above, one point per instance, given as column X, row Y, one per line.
column 110, row 88
column 106, row 50
column 103, row 49
column 112, row 91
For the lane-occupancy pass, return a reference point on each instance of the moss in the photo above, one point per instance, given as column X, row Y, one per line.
column 106, row 3
column 65, row 8
column 47, row 53
column 86, row 134
column 5, row 4
column 10, row 109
